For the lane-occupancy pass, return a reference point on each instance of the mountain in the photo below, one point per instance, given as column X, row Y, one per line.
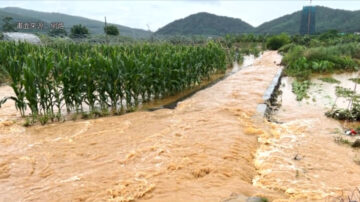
column 94, row 26
column 325, row 19
column 205, row 24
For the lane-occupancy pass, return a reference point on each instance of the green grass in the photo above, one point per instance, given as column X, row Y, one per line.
column 329, row 80
column 355, row 80
column 300, row 88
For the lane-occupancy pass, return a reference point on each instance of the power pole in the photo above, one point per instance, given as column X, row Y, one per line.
column 105, row 28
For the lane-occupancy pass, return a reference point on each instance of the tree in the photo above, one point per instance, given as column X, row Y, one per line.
column 57, row 32
column 277, row 41
column 79, row 31
column 111, row 30
column 7, row 26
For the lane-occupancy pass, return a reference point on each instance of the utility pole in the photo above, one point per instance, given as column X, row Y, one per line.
column 105, row 28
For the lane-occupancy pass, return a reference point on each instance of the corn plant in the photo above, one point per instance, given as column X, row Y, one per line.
column 65, row 76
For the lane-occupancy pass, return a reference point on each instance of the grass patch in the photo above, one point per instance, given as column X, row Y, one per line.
column 300, row 88
column 355, row 80
column 329, row 80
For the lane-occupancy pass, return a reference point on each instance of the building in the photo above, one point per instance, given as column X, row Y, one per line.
column 307, row 25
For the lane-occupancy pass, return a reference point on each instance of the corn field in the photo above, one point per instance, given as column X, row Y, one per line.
column 51, row 78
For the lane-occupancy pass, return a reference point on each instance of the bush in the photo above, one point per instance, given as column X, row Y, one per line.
column 111, row 30
column 286, row 48
column 276, row 42
column 57, row 32
column 79, row 31
column 1, row 36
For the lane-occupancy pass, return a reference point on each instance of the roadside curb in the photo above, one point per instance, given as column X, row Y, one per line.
column 263, row 108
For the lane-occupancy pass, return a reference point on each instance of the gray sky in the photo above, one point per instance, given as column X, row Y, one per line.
column 140, row 13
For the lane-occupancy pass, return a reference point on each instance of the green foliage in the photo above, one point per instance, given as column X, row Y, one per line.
column 277, row 41
column 301, row 62
column 345, row 114
column 7, row 25
column 286, row 48
column 47, row 79
column 355, row 80
column 79, row 31
column 352, row 114
column 1, row 36
column 300, row 88
column 111, row 30
column 329, row 80
column 57, row 33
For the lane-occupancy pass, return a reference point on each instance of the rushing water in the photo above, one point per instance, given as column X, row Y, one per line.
column 300, row 156
column 210, row 147
column 203, row 150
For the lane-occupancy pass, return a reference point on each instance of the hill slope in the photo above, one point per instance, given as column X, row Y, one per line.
column 325, row 19
column 205, row 24
column 94, row 26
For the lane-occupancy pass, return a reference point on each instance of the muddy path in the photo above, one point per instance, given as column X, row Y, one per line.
column 203, row 150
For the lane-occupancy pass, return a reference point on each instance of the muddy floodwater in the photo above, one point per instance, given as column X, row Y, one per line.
column 202, row 150
column 299, row 156
column 213, row 146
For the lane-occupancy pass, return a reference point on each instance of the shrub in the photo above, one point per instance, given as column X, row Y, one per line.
column 7, row 25
column 276, row 42
column 286, row 48
column 79, row 31
column 111, row 30
column 57, row 32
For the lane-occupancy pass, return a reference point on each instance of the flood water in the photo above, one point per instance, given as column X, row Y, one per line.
column 210, row 147
column 300, row 157
column 203, row 150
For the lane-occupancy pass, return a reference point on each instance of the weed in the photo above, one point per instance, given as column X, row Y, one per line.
column 43, row 119
column 329, row 80
column 28, row 122
column 300, row 88
column 355, row 80
column 341, row 140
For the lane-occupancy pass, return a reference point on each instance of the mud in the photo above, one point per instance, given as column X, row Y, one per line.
column 203, row 150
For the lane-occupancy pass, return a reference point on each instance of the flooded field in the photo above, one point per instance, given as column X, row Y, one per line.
column 299, row 156
column 211, row 147
column 203, row 150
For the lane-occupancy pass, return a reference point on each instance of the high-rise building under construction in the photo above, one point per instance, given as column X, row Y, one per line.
column 307, row 25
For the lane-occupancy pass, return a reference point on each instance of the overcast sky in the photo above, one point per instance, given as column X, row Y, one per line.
column 155, row 14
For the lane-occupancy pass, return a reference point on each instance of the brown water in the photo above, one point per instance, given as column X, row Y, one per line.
column 203, row 150
column 300, row 156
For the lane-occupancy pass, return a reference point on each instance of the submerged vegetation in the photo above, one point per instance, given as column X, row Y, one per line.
column 49, row 79
column 320, row 54
column 329, row 80
column 300, row 89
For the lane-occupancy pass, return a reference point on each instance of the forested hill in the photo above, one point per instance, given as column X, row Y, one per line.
column 325, row 19
column 205, row 24
column 94, row 26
